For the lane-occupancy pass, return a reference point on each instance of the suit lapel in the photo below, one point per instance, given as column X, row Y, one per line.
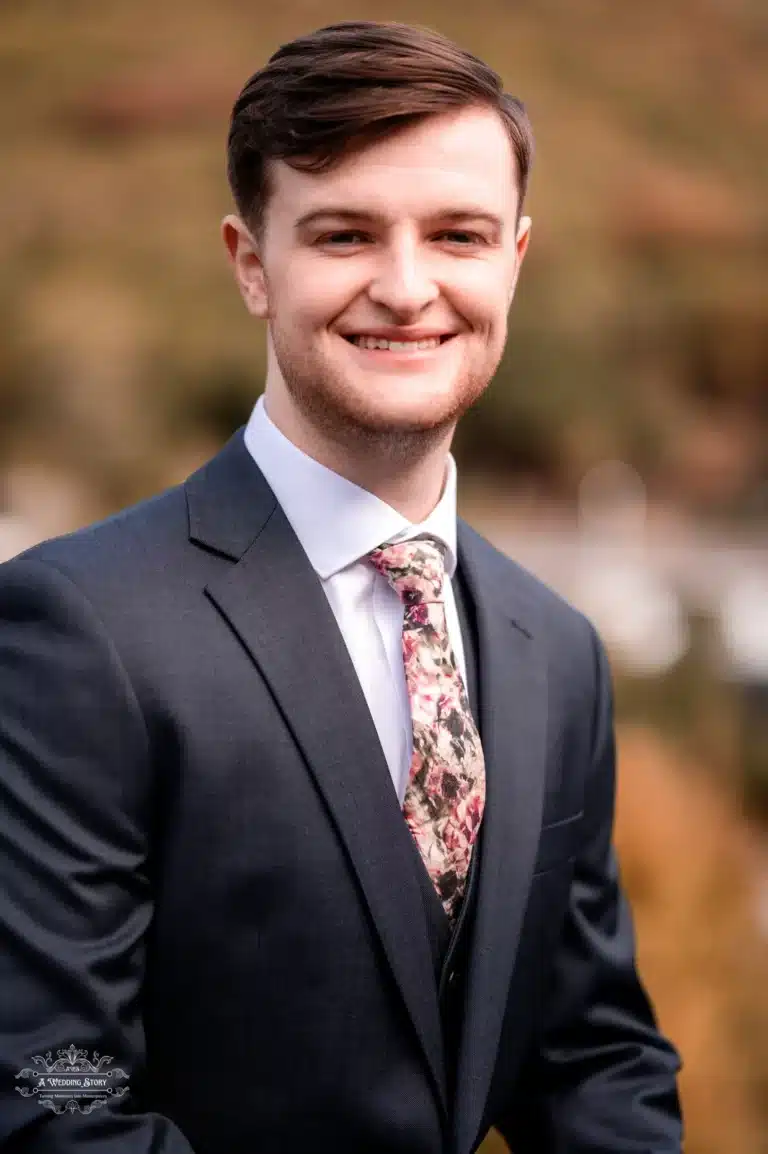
column 512, row 678
column 274, row 602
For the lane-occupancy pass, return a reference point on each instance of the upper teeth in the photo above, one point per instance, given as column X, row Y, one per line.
column 395, row 346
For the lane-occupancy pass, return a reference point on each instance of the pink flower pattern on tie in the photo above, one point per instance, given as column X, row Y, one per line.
column 445, row 795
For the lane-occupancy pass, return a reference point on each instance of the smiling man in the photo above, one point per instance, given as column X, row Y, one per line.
column 386, row 281
column 306, row 792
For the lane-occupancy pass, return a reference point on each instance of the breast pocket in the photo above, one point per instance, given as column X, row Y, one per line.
column 558, row 843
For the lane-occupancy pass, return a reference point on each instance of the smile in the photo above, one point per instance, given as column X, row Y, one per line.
column 376, row 343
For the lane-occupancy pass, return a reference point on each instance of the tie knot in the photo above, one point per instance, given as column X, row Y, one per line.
column 414, row 569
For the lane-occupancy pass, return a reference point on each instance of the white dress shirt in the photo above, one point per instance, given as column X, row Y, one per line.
column 338, row 524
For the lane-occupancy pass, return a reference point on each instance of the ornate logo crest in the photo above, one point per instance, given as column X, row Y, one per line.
column 72, row 1081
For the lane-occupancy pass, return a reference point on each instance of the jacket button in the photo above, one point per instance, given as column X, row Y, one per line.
column 452, row 978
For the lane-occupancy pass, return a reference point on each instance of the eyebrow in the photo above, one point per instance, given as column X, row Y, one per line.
column 357, row 215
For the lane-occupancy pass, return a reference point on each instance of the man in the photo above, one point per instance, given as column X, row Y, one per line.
column 308, row 791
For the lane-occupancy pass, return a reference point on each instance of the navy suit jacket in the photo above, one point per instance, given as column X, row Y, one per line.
column 207, row 877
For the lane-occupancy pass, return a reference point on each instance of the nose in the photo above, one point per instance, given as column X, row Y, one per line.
column 402, row 282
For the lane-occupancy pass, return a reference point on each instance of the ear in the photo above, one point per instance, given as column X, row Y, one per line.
column 247, row 266
column 523, row 238
column 521, row 246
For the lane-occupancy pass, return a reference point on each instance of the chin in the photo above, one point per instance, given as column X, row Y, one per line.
column 403, row 419
column 378, row 405
column 404, row 426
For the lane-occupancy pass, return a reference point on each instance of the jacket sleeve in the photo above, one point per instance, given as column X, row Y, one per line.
column 603, row 1078
column 75, row 899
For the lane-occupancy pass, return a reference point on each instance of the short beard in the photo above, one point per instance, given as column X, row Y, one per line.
column 359, row 432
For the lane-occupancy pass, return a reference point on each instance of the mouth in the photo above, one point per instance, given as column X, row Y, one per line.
column 381, row 344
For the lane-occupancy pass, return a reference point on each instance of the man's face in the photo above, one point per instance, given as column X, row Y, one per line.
column 412, row 240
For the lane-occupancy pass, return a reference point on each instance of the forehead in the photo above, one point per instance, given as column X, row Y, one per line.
column 453, row 160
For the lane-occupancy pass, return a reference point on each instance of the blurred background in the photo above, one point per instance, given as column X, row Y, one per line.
column 621, row 453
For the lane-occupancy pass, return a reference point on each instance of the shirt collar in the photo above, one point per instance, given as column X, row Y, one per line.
column 335, row 520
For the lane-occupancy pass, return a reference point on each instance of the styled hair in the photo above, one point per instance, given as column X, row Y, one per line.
column 327, row 95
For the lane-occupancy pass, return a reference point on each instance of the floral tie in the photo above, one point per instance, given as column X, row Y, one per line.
column 445, row 795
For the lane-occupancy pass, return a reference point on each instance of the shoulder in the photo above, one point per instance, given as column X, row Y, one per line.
column 140, row 540
column 536, row 604
column 574, row 652
column 143, row 527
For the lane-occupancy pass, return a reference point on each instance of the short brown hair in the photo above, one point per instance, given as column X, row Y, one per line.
column 328, row 94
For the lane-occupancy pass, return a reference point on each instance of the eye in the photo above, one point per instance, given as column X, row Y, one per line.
column 464, row 238
column 342, row 239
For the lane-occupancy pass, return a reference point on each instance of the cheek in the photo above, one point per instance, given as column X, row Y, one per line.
column 481, row 296
column 314, row 294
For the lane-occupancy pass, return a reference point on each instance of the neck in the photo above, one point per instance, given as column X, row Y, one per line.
column 404, row 469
